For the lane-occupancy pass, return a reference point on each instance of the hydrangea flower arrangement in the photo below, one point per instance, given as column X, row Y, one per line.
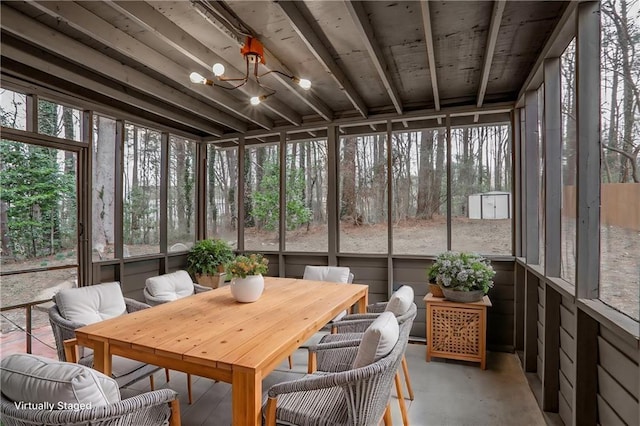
column 463, row 271
column 241, row 266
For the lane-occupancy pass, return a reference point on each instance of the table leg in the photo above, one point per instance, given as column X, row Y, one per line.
column 102, row 357
column 246, row 396
column 362, row 303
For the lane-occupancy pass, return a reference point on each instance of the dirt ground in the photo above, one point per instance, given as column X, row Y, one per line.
column 620, row 275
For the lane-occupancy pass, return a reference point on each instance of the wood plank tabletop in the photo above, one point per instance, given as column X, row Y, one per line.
column 211, row 328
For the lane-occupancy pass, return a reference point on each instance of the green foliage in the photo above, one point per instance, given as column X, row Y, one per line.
column 34, row 189
column 265, row 201
column 432, row 273
column 206, row 255
column 463, row 271
column 241, row 266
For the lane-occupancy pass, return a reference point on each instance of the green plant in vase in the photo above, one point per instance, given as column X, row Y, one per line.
column 460, row 272
column 207, row 258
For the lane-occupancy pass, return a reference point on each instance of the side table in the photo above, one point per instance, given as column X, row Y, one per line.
column 457, row 330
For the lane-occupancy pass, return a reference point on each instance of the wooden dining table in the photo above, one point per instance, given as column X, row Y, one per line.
column 211, row 335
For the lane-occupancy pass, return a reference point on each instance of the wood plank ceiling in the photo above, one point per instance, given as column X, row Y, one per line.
column 364, row 58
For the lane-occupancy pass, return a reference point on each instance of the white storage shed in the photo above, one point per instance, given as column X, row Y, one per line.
column 490, row 205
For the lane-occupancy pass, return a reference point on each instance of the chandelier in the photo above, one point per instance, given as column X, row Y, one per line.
column 253, row 52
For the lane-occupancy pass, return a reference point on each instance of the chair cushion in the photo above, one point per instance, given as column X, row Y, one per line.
column 37, row 379
column 378, row 340
column 168, row 287
column 400, row 301
column 334, row 274
column 91, row 304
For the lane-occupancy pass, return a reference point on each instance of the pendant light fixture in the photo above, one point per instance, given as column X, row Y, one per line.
column 253, row 53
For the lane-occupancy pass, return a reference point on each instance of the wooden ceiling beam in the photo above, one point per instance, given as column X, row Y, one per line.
column 168, row 32
column 428, row 38
column 41, row 35
column 426, row 114
column 97, row 28
column 306, row 32
column 365, row 29
column 272, row 61
column 492, row 38
column 37, row 62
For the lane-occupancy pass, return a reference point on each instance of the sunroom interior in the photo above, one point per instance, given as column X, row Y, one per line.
column 373, row 135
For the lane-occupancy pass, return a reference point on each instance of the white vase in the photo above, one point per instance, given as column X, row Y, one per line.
column 247, row 289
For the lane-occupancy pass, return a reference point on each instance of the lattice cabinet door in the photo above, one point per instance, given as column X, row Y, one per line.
column 457, row 330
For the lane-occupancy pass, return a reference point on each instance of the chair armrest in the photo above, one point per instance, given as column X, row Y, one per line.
column 152, row 300
column 324, row 380
column 335, row 356
column 377, row 307
column 353, row 325
column 369, row 315
column 200, row 288
column 134, row 306
column 62, row 329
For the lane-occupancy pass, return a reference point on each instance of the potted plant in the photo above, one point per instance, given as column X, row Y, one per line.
column 206, row 260
column 463, row 277
column 247, row 282
column 434, row 288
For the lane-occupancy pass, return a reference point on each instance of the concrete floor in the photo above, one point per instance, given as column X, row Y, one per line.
column 446, row 392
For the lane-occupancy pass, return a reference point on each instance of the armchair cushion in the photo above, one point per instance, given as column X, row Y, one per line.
column 91, row 304
column 168, row 287
column 400, row 301
column 378, row 340
column 334, row 274
column 36, row 379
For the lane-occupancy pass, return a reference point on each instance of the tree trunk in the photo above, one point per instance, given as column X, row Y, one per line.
column 439, row 174
column 425, row 178
column 103, row 185
column 348, row 177
column 379, row 178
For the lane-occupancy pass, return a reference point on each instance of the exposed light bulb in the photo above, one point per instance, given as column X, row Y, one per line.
column 255, row 100
column 197, row 78
column 304, row 83
column 218, row 69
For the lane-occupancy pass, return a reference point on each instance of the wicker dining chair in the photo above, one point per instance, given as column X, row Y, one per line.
column 352, row 327
column 76, row 307
column 337, row 274
column 167, row 288
column 75, row 394
column 341, row 392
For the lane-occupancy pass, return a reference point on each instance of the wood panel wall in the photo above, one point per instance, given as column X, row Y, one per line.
column 614, row 372
column 618, row 386
column 567, row 356
column 540, row 331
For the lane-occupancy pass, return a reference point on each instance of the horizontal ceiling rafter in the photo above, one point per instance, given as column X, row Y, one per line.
column 25, row 28
column 167, row 31
column 492, row 38
column 308, row 35
column 272, row 62
column 431, row 58
column 37, row 62
column 97, row 28
column 366, row 32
